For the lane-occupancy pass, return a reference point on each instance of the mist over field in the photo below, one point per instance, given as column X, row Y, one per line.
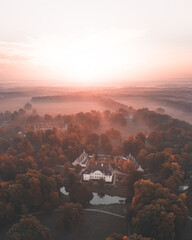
column 142, row 102
column 174, row 99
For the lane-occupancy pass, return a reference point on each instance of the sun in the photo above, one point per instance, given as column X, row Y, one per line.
column 88, row 60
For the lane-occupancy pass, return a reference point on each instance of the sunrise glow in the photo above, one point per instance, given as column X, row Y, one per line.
column 89, row 59
column 78, row 43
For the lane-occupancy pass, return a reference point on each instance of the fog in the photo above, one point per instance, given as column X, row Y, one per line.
column 67, row 108
column 13, row 104
column 176, row 100
column 140, row 102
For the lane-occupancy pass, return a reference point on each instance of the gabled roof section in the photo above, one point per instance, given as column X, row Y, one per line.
column 104, row 168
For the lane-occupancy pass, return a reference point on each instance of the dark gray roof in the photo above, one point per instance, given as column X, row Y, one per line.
column 104, row 168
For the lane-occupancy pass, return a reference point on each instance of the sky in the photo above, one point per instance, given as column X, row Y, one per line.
column 102, row 42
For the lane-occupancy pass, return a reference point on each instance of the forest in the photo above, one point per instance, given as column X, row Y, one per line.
column 32, row 147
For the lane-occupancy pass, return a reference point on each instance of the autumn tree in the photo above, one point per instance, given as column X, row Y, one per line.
column 154, row 221
column 105, row 144
column 16, row 196
column 71, row 179
column 171, row 176
column 117, row 118
column 116, row 236
column 156, row 160
column 133, row 177
column 132, row 146
column 29, row 228
column 138, row 237
column 71, row 216
column 79, row 193
column 28, row 106
column 72, row 146
column 114, row 135
column 6, row 212
column 78, row 169
column 35, row 191
column 155, row 206
column 141, row 157
column 92, row 139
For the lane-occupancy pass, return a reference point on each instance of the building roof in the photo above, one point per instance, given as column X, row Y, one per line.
column 104, row 168
column 82, row 159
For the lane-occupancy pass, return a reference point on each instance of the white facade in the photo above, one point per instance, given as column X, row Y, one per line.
column 99, row 173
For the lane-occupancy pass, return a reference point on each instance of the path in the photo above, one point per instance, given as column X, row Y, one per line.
column 37, row 213
column 61, row 166
column 86, row 209
column 105, row 212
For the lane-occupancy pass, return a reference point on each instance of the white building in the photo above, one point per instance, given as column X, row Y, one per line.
column 64, row 128
column 82, row 160
column 21, row 134
column 129, row 116
column 98, row 171
column 43, row 126
column 140, row 169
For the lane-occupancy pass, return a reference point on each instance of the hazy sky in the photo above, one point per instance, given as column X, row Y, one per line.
column 94, row 42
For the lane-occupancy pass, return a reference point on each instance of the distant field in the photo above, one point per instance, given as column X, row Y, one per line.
column 13, row 104
column 152, row 104
column 176, row 102
column 69, row 107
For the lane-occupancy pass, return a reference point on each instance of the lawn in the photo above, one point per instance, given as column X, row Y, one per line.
column 96, row 227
